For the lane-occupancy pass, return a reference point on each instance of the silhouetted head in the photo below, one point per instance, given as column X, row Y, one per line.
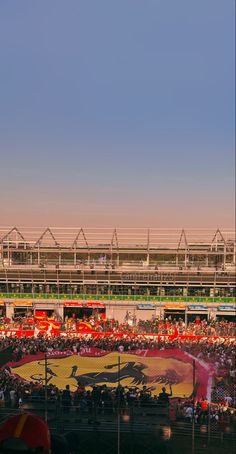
column 25, row 433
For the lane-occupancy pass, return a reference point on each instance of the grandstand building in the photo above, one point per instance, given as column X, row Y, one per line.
column 148, row 272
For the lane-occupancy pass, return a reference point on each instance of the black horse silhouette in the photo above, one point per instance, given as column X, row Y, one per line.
column 131, row 369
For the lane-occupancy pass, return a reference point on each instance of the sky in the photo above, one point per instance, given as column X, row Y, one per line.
column 117, row 113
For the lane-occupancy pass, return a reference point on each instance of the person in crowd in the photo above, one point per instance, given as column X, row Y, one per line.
column 66, row 399
column 163, row 397
column 25, row 433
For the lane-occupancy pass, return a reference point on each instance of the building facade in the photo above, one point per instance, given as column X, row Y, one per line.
column 150, row 272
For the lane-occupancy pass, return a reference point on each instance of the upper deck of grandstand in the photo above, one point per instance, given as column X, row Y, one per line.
column 119, row 247
column 47, row 267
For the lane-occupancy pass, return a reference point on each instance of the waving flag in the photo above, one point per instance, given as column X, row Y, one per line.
column 153, row 368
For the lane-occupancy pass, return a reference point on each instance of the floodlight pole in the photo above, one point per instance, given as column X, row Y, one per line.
column 193, row 417
column 209, row 423
column 118, row 409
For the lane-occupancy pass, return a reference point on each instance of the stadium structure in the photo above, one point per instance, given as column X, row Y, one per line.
column 147, row 272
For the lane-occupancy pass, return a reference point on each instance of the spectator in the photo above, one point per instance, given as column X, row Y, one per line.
column 25, row 433
column 163, row 397
column 66, row 399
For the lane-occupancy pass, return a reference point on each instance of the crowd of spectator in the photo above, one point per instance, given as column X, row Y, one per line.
column 217, row 347
column 195, row 328
column 170, row 326
column 219, row 352
column 103, row 400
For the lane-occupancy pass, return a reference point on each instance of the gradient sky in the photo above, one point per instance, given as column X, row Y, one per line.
column 117, row 113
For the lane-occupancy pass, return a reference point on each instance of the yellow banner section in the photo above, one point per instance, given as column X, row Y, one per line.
column 23, row 303
column 2, row 303
column 134, row 371
column 174, row 306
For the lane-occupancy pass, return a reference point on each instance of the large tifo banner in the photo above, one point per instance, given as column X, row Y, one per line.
column 95, row 367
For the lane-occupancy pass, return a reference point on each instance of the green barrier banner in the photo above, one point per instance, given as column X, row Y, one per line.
column 168, row 299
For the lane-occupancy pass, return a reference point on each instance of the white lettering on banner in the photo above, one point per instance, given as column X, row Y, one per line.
column 59, row 353
column 140, row 351
column 82, row 352
column 8, row 333
column 85, row 350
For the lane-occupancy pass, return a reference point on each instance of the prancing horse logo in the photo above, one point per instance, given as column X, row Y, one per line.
column 130, row 369
column 87, row 371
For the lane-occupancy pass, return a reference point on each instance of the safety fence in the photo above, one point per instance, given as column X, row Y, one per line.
column 133, row 415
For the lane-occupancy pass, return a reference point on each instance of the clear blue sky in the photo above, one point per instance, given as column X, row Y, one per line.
column 117, row 112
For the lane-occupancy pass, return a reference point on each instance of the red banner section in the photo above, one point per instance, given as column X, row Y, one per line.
column 93, row 366
column 85, row 328
column 16, row 333
column 93, row 304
